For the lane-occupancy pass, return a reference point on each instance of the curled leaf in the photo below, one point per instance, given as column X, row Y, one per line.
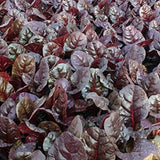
column 62, row 70
column 49, row 140
column 38, row 155
column 50, row 126
column 97, row 83
column 22, row 151
column 100, row 101
column 8, row 109
column 80, row 79
column 142, row 149
column 15, row 49
column 59, row 105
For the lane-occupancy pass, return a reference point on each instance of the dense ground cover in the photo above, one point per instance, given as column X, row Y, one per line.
column 79, row 79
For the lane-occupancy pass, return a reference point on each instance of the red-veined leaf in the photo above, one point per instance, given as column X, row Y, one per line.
column 113, row 126
column 146, row 13
column 132, row 35
column 134, row 105
column 98, row 145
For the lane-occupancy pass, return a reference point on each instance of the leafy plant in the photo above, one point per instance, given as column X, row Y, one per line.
column 79, row 79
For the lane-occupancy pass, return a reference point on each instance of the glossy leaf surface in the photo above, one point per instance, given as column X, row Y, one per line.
column 25, row 108
column 5, row 89
column 23, row 64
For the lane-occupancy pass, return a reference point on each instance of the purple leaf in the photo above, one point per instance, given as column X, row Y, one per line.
column 38, row 155
column 80, row 79
column 97, row 83
column 134, row 105
column 5, row 89
column 42, row 75
column 8, row 109
column 36, row 27
column 76, row 126
column 96, row 48
column 151, row 84
column 81, row 59
column 98, row 145
column 100, row 101
column 64, row 83
column 132, row 35
column 23, row 151
column 74, row 41
column 9, row 132
column 134, row 69
column 33, row 97
column 146, row 13
column 113, row 126
column 66, row 147
column 137, row 53
column 142, row 149
column 154, row 101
